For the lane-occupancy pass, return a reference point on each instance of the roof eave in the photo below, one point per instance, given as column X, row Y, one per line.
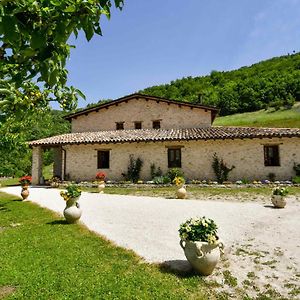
column 137, row 95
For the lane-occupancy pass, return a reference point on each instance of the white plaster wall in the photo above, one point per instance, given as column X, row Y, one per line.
column 171, row 116
column 247, row 156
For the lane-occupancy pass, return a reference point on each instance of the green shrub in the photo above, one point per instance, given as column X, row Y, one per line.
column 133, row 170
column 220, row 168
column 272, row 177
column 162, row 180
column 155, row 172
column 175, row 172
column 297, row 169
column 296, row 180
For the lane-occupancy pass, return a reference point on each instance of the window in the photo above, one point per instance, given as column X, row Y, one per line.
column 174, row 158
column 120, row 125
column 138, row 125
column 156, row 124
column 271, row 155
column 103, row 159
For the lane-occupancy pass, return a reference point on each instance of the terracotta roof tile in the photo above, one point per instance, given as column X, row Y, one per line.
column 151, row 135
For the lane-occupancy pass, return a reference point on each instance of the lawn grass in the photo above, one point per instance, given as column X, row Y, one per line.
column 263, row 118
column 9, row 181
column 41, row 257
column 48, row 172
column 195, row 192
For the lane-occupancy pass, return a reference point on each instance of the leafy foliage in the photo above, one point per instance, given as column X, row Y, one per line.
column 34, row 48
column 162, row 180
column 297, row 169
column 199, row 229
column 73, row 191
column 271, row 83
column 155, row 172
column 296, row 180
column 15, row 155
column 134, row 169
column 280, row 191
column 175, row 172
column 220, row 168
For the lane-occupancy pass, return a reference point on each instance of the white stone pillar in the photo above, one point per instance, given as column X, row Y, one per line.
column 37, row 164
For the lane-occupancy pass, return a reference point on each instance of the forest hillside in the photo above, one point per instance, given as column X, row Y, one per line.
column 271, row 83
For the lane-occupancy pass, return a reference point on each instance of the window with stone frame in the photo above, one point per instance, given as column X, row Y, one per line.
column 156, row 124
column 174, row 157
column 271, row 155
column 119, row 125
column 138, row 125
column 103, row 159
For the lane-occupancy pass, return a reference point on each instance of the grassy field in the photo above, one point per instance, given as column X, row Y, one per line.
column 263, row 118
column 194, row 192
column 9, row 181
column 41, row 257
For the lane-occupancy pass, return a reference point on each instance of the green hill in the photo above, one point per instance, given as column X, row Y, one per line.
column 271, row 83
column 263, row 118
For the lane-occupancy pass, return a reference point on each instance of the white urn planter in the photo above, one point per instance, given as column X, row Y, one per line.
column 101, row 187
column 201, row 255
column 278, row 201
column 181, row 192
column 72, row 212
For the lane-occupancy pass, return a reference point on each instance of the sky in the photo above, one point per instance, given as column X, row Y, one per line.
column 154, row 42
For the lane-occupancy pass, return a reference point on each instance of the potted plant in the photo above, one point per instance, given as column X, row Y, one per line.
column 25, row 181
column 201, row 244
column 278, row 196
column 100, row 177
column 55, row 181
column 180, row 183
column 72, row 211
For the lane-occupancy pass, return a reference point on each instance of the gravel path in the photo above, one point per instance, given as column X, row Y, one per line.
column 258, row 238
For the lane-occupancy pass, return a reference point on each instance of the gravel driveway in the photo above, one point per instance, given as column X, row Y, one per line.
column 259, row 240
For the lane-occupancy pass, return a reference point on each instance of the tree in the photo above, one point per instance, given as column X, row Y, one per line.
column 34, row 47
column 15, row 155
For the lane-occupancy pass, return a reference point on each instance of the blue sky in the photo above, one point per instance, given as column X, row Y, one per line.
column 154, row 42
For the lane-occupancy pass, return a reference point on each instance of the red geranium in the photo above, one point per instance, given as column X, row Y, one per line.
column 25, row 180
column 100, row 176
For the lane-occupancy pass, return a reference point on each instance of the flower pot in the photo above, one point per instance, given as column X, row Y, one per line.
column 278, row 201
column 72, row 212
column 25, row 192
column 54, row 184
column 101, row 187
column 181, row 192
column 202, row 256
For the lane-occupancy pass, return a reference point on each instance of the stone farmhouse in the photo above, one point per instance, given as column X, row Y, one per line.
column 169, row 134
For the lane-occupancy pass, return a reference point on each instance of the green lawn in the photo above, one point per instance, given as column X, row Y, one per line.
column 262, row 118
column 9, row 181
column 196, row 192
column 41, row 257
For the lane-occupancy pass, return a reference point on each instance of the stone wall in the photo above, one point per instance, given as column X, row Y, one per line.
column 37, row 164
column 141, row 110
column 246, row 155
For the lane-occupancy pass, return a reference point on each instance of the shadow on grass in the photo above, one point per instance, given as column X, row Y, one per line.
column 58, row 222
column 18, row 200
column 3, row 208
column 180, row 268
